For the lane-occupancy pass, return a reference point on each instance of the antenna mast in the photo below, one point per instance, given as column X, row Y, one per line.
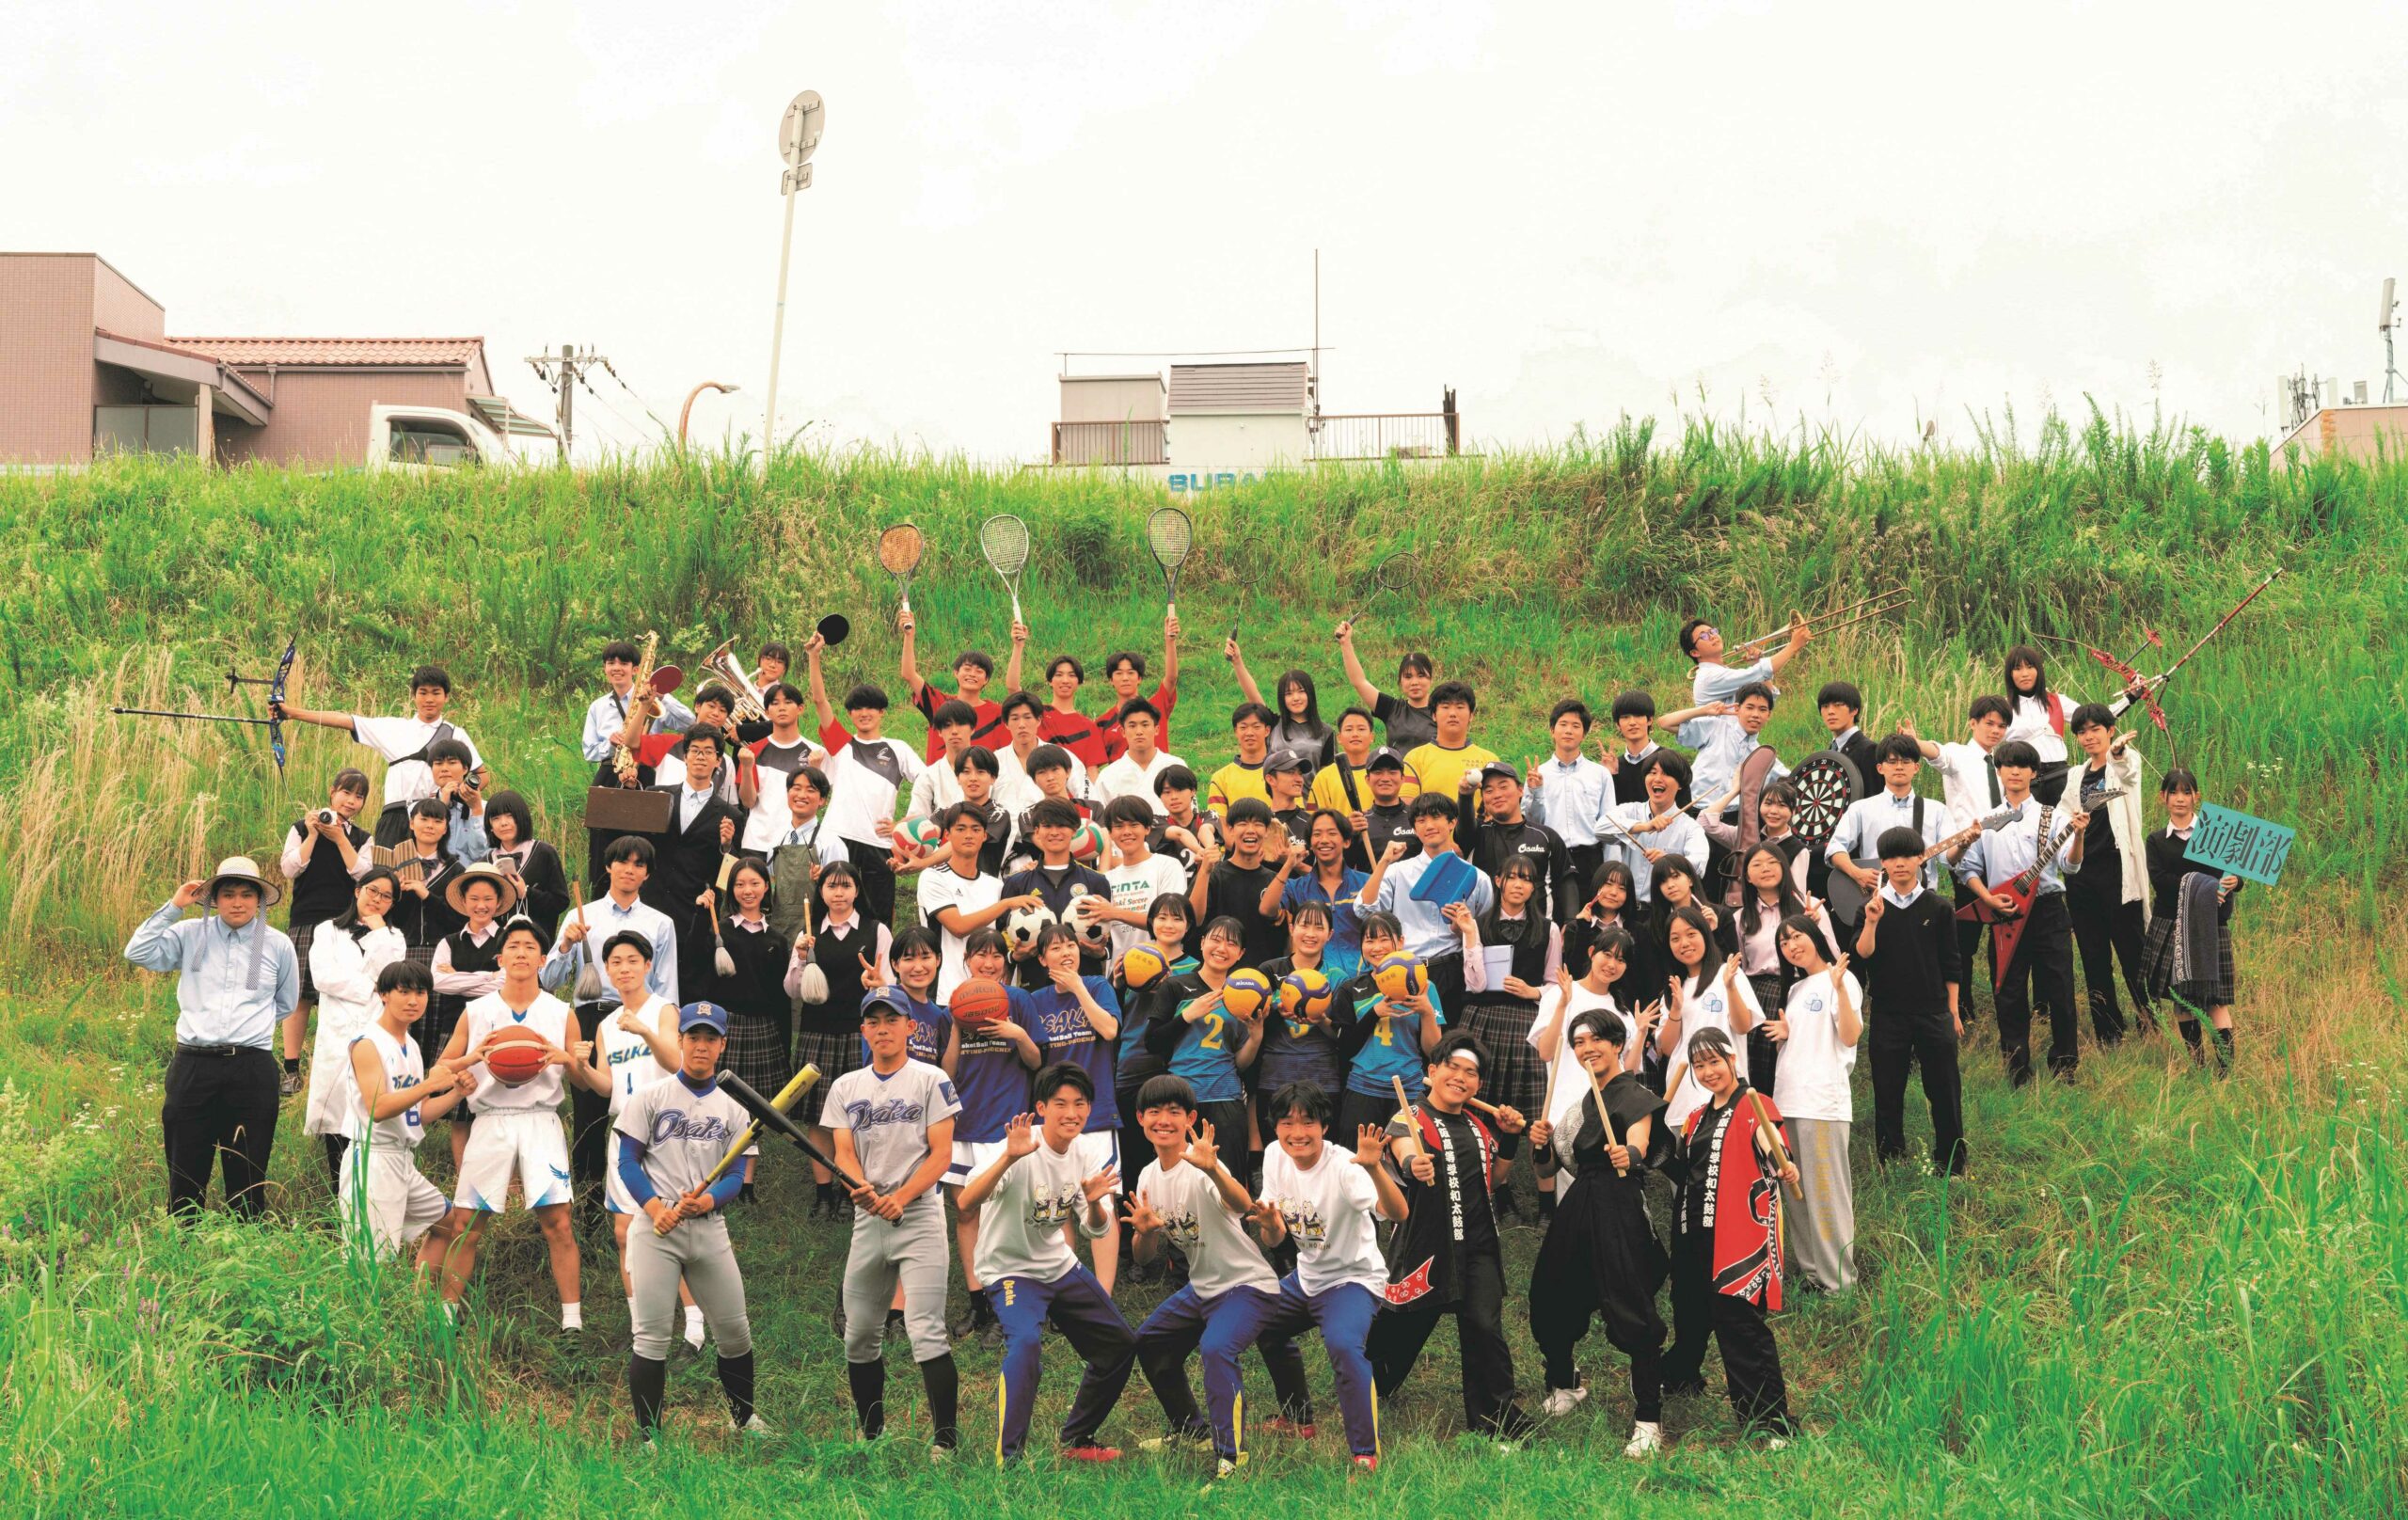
column 2384, row 324
column 1317, row 337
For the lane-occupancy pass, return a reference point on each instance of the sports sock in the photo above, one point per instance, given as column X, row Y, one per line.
column 2190, row 1028
column 573, row 1316
column 735, row 1377
column 944, row 1383
column 647, row 1381
column 868, row 1381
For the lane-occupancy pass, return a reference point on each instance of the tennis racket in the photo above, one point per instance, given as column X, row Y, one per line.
column 1004, row 539
column 898, row 553
column 1170, row 535
column 1395, row 572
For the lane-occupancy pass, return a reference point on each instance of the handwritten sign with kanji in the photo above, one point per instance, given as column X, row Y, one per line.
column 2244, row 846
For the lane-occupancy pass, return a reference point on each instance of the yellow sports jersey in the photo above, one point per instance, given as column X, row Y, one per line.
column 1441, row 769
column 1329, row 791
column 1233, row 780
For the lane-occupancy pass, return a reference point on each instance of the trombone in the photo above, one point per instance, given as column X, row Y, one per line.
column 1863, row 610
column 721, row 666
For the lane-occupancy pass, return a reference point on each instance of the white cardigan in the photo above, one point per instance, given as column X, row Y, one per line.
column 344, row 972
column 2123, row 819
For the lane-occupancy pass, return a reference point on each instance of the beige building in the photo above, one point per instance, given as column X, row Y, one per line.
column 2363, row 431
column 87, row 367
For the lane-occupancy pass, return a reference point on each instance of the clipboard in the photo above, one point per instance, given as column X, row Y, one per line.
column 1448, row 879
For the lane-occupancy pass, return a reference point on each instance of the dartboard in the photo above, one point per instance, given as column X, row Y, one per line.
column 1826, row 782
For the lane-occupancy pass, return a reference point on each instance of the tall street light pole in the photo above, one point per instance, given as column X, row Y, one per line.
column 797, row 139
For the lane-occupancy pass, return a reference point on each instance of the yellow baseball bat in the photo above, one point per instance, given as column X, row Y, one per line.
column 787, row 1097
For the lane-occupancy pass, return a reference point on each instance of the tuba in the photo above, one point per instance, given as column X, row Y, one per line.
column 719, row 666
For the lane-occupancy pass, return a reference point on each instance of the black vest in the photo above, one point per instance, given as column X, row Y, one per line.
column 323, row 888
column 1529, row 955
column 839, row 960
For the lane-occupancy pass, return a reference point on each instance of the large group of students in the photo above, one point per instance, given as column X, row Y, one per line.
column 1270, row 1035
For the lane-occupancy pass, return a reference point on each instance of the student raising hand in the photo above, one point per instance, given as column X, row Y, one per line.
column 1371, row 1145
column 1202, row 1153
column 1020, row 1139
column 1142, row 1217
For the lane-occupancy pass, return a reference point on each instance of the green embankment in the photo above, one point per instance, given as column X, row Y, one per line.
column 2156, row 1293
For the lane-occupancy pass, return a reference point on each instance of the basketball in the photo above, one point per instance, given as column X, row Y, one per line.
column 1401, row 977
column 1143, row 966
column 980, row 1002
column 1087, row 841
column 1246, row 992
column 518, row 1060
column 1021, row 926
column 1304, row 992
column 923, row 832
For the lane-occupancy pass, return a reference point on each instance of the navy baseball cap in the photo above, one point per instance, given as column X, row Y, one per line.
column 1285, row 760
column 708, row 1016
column 886, row 1000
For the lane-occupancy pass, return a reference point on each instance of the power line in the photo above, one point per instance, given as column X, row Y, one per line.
column 571, row 366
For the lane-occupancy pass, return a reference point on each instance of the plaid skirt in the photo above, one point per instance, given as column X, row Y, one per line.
column 758, row 1051
column 1515, row 1077
column 301, row 937
column 833, row 1053
column 2157, row 967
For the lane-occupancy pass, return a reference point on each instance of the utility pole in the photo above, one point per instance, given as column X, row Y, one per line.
column 798, row 131
column 571, row 366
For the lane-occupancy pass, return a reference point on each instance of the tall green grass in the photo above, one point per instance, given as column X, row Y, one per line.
column 2156, row 1293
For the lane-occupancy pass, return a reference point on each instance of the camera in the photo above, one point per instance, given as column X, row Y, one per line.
column 325, row 817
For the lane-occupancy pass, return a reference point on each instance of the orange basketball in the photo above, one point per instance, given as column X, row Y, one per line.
column 520, row 1057
column 980, row 1002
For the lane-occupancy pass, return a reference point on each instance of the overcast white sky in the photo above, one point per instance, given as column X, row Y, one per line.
column 1877, row 213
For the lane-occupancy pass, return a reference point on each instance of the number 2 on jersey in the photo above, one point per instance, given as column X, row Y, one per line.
column 1212, row 1040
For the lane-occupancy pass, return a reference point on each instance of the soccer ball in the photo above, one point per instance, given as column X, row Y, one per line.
column 1087, row 841
column 1304, row 992
column 1246, row 992
column 1021, row 925
column 1401, row 977
column 923, row 832
column 1094, row 933
column 1143, row 966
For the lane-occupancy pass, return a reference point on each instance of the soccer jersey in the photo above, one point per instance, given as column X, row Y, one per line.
column 547, row 1016
column 1135, row 887
column 889, row 1115
column 1197, row 1219
column 1441, row 769
column 1328, row 1207
column 864, row 776
column 940, row 887
column 1233, row 783
column 404, row 1066
column 1064, row 1034
column 1019, row 1226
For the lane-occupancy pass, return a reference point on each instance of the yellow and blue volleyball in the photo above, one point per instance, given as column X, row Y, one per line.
column 1304, row 993
column 1143, row 966
column 1246, row 994
column 1401, row 977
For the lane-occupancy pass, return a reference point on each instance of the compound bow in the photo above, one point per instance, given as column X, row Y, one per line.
column 273, row 722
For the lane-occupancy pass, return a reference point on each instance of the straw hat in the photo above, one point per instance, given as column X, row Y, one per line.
column 245, row 870
column 482, row 871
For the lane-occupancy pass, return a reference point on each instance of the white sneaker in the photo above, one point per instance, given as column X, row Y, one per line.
column 1646, row 1438
column 1561, row 1402
column 755, row 1426
column 1777, row 1443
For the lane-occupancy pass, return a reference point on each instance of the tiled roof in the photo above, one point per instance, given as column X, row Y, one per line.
column 335, row 350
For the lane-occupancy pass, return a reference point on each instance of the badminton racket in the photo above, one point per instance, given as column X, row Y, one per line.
column 1170, row 534
column 899, row 554
column 1004, row 539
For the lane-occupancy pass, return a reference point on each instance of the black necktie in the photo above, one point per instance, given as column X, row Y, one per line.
column 1991, row 761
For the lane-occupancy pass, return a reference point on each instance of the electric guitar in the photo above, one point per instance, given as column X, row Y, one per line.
column 1846, row 899
column 2007, row 927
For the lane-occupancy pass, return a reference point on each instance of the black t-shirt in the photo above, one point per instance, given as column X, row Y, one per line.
column 1382, row 823
column 1237, row 892
column 1408, row 727
column 2098, row 859
column 1203, row 825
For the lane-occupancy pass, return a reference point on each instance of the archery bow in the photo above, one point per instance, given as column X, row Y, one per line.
column 273, row 722
column 2146, row 688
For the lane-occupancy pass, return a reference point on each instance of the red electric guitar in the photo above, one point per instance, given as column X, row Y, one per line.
column 2007, row 927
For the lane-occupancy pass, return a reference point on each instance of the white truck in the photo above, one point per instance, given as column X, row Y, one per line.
column 419, row 440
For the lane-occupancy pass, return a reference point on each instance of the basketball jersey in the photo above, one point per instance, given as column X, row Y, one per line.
column 547, row 1016
column 626, row 1056
column 404, row 1066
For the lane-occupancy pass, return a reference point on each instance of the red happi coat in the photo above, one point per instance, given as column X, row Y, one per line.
column 1744, row 1199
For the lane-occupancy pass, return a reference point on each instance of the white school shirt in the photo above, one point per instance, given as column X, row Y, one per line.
column 406, row 779
column 1969, row 782
column 2031, row 725
column 1328, row 1210
column 1811, row 1080
column 1858, row 835
column 1721, row 744
column 1125, row 777
column 2005, row 852
column 1684, row 836
column 1572, row 795
column 864, row 776
column 1718, row 682
column 1137, row 886
column 1197, row 1219
column 608, row 714
column 1427, row 933
column 405, row 1068
column 604, row 918
column 942, row 886
column 549, row 1017
column 1709, row 1009
column 1020, row 1228
column 1018, row 792
column 1565, row 1077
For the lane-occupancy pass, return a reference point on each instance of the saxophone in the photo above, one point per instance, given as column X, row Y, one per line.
column 623, row 758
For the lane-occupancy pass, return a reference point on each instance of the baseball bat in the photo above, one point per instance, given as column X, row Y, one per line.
column 787, row 1097
column 778, row 1123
